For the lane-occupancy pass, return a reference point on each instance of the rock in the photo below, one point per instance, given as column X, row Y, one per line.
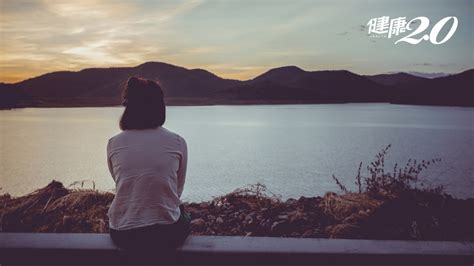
column 295, row 234
column 280, row 228
column 297, row 216
column 219, row 220
column 248, row 218
column 303, row 199
column 198, row 222
column 66, row 219
column 274, row 226
column 291, row 201
column 307, row 233
column 277, row 227
column 263, row 225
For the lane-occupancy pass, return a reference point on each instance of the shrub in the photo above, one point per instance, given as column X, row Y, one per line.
column 381, row 182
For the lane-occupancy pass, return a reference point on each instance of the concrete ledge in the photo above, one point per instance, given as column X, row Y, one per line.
column 98, row 249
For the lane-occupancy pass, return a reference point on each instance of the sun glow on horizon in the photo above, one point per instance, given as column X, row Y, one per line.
column 232, row 39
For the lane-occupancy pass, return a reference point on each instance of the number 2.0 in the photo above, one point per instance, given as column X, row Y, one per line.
column 433, row 36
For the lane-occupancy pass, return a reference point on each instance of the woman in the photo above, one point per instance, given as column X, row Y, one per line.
column 148, row 164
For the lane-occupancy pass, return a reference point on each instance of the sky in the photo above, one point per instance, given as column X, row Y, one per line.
column 237, row 39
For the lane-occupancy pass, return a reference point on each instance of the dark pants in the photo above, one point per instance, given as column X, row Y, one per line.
column 152, row 244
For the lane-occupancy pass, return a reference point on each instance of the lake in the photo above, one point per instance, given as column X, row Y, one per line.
column 292, row 149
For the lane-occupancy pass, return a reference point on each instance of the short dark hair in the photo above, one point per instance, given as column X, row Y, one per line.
column 144, row 105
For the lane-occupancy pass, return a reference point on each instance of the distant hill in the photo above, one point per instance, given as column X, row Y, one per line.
column 450, row 90
column 428, row 74
column 289, row 84
column 12, row 96
column 103, row 86
column 394, row 79
column 293, row 83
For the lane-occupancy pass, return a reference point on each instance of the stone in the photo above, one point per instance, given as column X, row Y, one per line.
column 66, row 219
column 291, row 201
column 277, row 227
column 198, row 222
column 248, row 218
column 307, row 233
column 294, row 234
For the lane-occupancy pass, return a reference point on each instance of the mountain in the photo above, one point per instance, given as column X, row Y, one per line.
column 12, row 95
column 282, row 75
column 289, row 84
column 103, row 86
column 293, row 83
column 450, row 90
column 394, row 79
column 428, row 74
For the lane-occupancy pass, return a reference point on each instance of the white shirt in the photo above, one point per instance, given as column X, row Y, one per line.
column 149, row 169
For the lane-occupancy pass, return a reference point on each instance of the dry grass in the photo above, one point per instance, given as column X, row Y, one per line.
column 253, row 210
column 347, row 212
column 56, row 209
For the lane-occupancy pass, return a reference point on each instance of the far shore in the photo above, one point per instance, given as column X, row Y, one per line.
column 204, row 102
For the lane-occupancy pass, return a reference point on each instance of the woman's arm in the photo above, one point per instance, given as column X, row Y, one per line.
column 109, row 163
column 182, row 167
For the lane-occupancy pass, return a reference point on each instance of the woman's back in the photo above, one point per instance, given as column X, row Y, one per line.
column 149, row 168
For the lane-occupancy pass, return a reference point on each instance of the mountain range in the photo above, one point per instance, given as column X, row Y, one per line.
column 288, row 84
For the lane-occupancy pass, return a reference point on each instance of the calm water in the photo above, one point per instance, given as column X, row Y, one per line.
column 293, row 149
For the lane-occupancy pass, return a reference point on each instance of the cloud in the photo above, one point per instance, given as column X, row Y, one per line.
column 202, row 50
column 169, row 13
column 79, row 34
column 422, row 64
column 88, row 9
column 100, row 50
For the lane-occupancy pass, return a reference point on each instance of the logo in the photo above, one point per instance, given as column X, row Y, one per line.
column 384, row 27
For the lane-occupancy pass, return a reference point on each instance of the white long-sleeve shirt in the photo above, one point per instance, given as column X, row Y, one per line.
column 149, row 169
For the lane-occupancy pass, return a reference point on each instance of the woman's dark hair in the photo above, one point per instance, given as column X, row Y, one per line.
column 144, row 105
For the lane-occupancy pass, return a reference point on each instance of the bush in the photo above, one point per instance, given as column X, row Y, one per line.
column 380, row 182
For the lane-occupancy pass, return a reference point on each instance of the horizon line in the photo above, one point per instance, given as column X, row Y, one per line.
column 243, row 80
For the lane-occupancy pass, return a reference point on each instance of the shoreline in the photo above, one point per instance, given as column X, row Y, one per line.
column 253, row 211
column 233, row 103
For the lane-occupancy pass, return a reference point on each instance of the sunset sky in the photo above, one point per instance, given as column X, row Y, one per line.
column 234, row 39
